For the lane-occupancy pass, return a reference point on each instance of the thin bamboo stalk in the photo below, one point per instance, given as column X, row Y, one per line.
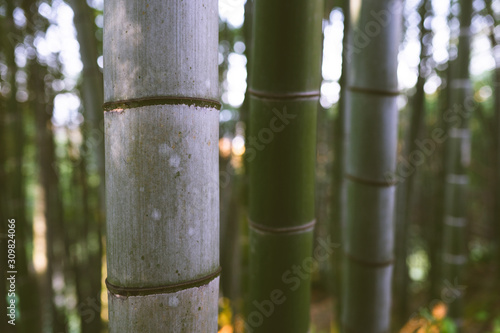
column 405, row 191
column 15, row 182
column 93, row 127
column 339, row 188
column 457, row 160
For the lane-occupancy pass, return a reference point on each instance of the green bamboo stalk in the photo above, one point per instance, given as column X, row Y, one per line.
column 15, row 184
column 496, row 131
column 92, row 87
column 457, row 160
column 339, row 188
column 92, row 98
column 371, row 160
column 496, row 91
column 405, row 188
column 285, row 72
column 435, row 226
column 52, row 317
column 161, row 135
column 4, row 215
column 496, row 214
column 49, row 181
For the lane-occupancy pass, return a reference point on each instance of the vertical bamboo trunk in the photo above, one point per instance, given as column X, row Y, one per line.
column 51, row 196
column 405, row 188
column 435, row 227
column 370, row 162
column 161, row 135
column 281, row 154
column 496, row 213
column 3, row 209
column 340, row 144
column 457, row 160
column 92, row 86
column 323, row 177
column 496, row 132
column 14, row 185
column 92, row 93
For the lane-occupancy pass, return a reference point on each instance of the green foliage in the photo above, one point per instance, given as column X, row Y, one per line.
column 448, row 326
column 496, row 325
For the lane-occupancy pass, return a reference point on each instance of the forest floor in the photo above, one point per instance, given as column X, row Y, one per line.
column 322, row 308
column 482, row 303
column 481, row 307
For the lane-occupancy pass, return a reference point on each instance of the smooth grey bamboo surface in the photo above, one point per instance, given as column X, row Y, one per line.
column 189, row 310
column 368, row 240
column 161, row 130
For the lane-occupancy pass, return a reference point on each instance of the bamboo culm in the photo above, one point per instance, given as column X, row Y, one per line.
column 161, row 143
column 456, row 163
column 284, row 91
column 368, row 240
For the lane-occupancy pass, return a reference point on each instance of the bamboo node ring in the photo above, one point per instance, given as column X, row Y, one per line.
column 161, row 100
column 309, row 226
column 144, row 291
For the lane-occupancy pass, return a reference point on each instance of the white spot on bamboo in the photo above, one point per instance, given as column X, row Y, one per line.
column 174, row 161
column 163, row 149
column 173, row 301
column 156, row 215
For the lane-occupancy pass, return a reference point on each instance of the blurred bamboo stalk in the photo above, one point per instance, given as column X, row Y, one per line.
column 93, row 145
column 457, row 160
column 368, row 240
column 339, row 148
column 405, row 189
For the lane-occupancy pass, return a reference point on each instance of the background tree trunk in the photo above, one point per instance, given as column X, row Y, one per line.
column 49, row 180
column 339, row 147
column 405, row 193
column 496, row 132
column 3, row 208
column 161, row 135
column 93, row 133
column 14, row 184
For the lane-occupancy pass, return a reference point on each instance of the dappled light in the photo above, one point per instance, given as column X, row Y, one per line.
column 239, row 166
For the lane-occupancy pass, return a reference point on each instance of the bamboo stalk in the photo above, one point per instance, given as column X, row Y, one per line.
column 457, row 161
column 371, row 158
column 405, row 192
column 92, row 97
column 15, row 181
column 281, row 154
column 496, row 132
column 161, row 135
column 339, row 188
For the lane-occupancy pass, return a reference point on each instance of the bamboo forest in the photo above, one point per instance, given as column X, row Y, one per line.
column 250, row 166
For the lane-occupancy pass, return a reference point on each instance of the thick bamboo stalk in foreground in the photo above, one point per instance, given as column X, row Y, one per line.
column 161, row 135
column 281, row 154
column 371, row 160
column 457, row 160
